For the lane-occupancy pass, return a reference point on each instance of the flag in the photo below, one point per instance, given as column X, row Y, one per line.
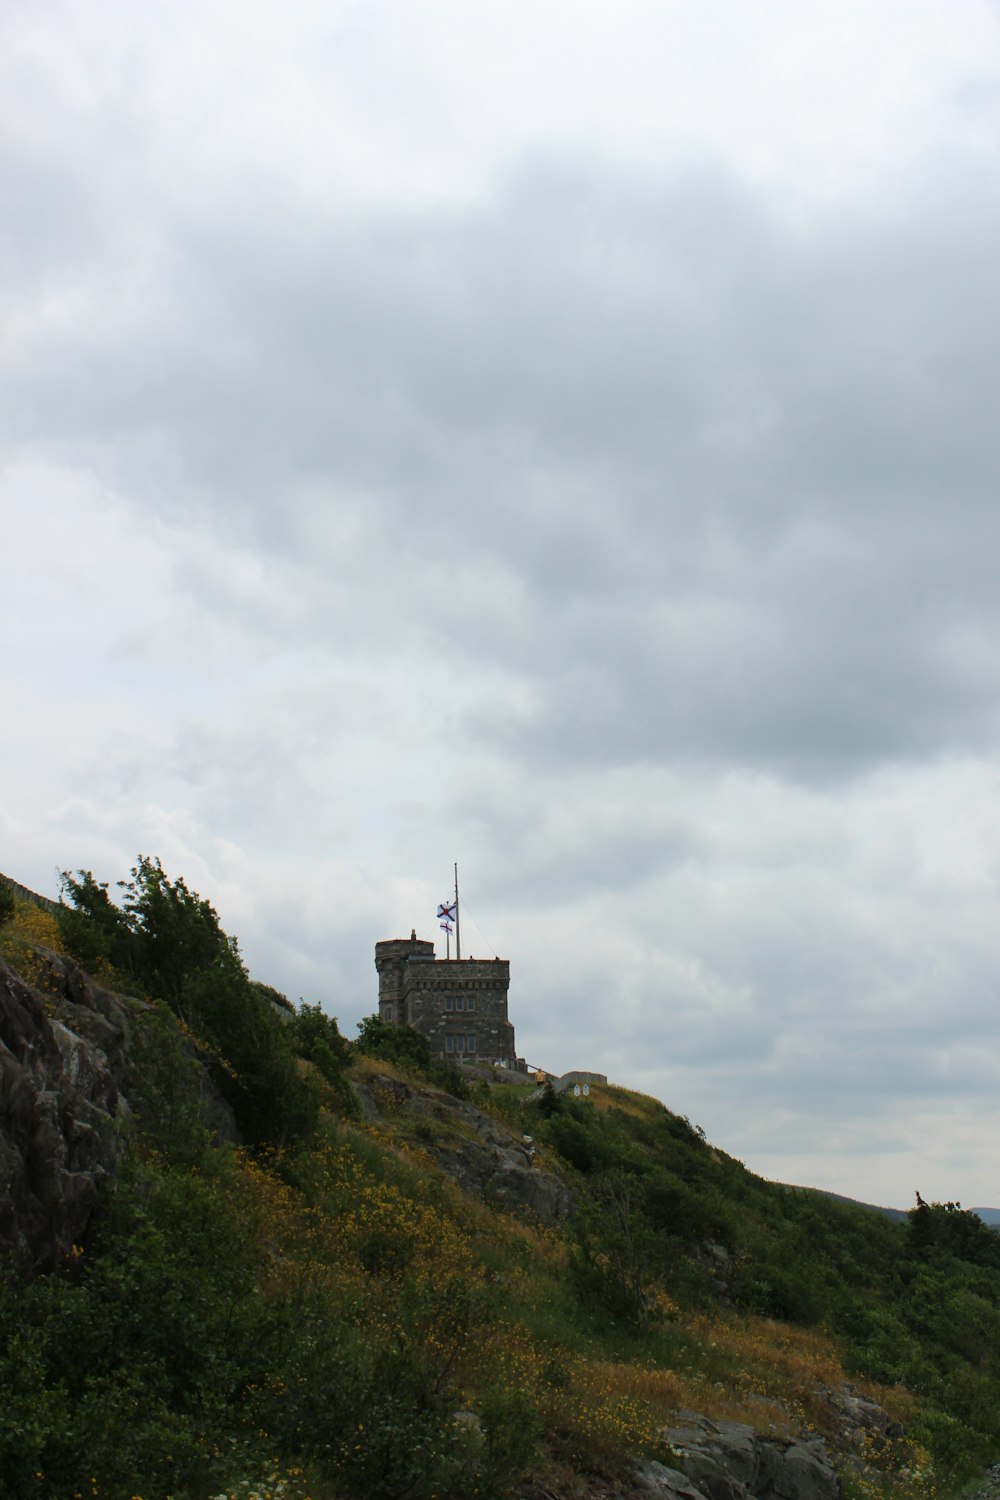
column 446, row 927
column 447, row 910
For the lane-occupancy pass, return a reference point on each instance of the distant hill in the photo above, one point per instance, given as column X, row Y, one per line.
column 898, row 1215
column 989, row 1216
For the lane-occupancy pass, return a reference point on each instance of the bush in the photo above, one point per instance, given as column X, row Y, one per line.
column 615, row 1253
column 411, row 1051
column 125, row 1367
column 318, row 1039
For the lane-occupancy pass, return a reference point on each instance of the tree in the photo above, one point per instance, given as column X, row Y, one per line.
column 169, row 941
column 410, row 1050
column 548, row 1104
column 948, row 1228
column 177, row 935
column 96, row 933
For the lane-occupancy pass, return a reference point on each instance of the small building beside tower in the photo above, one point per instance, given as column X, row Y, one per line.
column 458, row 1004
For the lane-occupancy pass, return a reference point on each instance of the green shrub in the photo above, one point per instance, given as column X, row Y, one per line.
column 166, row 942
column 411, row 1051
column 317, row 1038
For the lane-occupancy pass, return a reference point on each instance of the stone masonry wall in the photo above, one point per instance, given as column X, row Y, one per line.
column 459, row 1005
column 22, row 890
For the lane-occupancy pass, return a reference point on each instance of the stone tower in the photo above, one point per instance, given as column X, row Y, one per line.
column 459, row 1005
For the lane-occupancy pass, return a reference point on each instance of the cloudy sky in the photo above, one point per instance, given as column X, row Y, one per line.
column 559, row 436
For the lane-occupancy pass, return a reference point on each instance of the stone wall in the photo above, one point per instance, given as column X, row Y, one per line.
column 23, row 892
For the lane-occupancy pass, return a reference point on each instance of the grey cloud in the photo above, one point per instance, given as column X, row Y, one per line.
column 719, row 422
column 619, row 525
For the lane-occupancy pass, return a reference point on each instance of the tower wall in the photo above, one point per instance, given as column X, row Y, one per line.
column 460, row 1006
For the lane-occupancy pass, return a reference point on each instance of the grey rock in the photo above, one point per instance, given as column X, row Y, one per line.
column 65, row 1076
column 59, row 1104
column 476, row 1151
column 729, row 1461
column 720, row 1457
column 856, row 1413
column 656, row 1479
column 795, row 1471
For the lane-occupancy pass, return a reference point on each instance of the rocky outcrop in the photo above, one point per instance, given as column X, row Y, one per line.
column 480, row 1154
column 730, row 1461
column 59, row 1104
column 69, row 1077
column 725, row 1460
column 860, row 1421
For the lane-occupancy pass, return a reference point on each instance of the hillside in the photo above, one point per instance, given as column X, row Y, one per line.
column 245, row 1256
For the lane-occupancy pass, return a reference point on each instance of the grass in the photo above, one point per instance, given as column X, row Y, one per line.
column 29, row 929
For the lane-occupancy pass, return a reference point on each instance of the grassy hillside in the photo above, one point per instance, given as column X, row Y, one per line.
column 322, row 1312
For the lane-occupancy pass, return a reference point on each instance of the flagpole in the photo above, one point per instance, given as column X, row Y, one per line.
column 458, row 926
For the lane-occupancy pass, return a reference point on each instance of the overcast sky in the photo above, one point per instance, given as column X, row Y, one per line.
column 559, row 436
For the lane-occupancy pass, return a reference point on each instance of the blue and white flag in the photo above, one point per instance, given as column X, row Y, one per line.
column 447, row 910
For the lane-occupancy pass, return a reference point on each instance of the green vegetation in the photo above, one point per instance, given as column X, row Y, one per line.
column 166, row 943
column 411, row 1052
column 915, row 1306
column 320, row 1313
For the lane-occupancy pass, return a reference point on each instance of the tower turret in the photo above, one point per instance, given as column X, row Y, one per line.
column 391, row 959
